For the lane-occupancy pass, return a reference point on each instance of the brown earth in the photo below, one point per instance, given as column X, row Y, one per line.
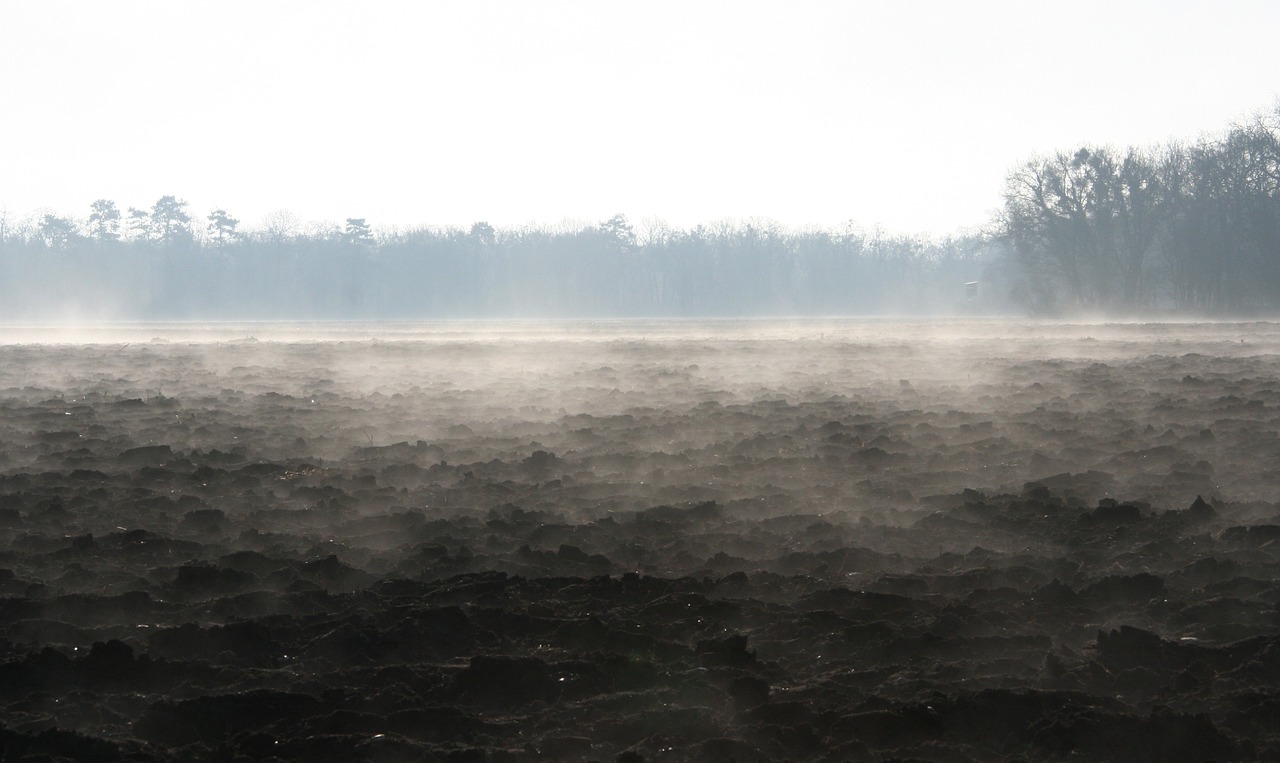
column 742, row 541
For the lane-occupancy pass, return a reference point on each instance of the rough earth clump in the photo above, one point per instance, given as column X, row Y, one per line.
column 770, row 542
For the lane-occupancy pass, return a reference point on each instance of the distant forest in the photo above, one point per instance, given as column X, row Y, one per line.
column 1179, row 229
column 1189, row 228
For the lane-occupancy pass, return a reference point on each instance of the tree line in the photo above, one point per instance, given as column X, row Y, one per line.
column 1177, row 229
column 164, row 263
column 1181, row 228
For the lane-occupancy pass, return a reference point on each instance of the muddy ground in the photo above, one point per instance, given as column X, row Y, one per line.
column 962, row 541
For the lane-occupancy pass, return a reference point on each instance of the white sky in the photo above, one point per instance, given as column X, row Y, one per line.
column 902, row 113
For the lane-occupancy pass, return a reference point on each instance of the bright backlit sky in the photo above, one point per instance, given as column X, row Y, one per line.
column 906, row 114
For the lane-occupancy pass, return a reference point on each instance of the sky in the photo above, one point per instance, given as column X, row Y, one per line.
column 902, row 114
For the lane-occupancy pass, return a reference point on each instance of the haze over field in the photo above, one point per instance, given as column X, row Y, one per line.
column 639, row 382
column 639, row 541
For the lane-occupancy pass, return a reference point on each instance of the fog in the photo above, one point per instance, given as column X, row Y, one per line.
column 375, row 384
column 588, row 271
column 954, row 539
column 437, row 484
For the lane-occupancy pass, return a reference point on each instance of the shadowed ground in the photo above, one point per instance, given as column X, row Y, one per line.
column 736, row 540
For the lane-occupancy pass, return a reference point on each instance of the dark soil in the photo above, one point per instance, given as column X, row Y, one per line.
column 751, row 541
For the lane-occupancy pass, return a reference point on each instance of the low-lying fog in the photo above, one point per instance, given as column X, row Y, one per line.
column 736, row 540
column 829, row 411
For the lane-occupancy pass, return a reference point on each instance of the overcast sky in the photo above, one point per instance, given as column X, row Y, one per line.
column 898, row 113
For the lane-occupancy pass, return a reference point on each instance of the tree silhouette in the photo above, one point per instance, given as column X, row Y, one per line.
column 620, row 230
column 357, row 232
column 139, row 224
column 104, row 220
column 170, row 221
column 57, row 232
column 484, row 232
column 222, row 227
column 279, row 226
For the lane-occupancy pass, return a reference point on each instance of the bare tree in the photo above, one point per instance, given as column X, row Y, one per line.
column 1088, row 220
column 280, row 225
